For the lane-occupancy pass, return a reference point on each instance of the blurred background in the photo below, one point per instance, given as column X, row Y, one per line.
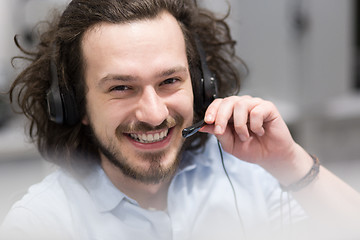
column 302, row 54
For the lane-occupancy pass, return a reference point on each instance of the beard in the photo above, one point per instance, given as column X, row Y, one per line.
column 155, row 172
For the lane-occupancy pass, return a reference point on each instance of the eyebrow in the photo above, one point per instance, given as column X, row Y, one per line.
column 118, row 77
column 171, row 71
column 130, row 78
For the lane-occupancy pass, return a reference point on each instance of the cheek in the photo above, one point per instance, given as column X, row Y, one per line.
column 184, row 105
column 189, row 107
column 102, row 115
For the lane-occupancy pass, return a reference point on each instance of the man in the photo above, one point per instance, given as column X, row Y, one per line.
column 129, row 75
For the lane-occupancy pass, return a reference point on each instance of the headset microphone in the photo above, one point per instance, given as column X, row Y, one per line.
column 187, row 132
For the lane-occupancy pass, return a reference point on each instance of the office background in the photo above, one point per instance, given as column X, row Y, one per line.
column 302, row 54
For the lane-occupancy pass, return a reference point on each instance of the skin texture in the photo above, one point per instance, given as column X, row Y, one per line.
column 136, row 81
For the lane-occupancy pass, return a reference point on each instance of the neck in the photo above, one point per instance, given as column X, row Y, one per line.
column 148, row 196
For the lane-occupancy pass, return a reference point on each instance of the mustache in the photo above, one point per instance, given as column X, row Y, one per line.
column 169, row 122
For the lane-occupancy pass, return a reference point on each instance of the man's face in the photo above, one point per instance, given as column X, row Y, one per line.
column 139, row 95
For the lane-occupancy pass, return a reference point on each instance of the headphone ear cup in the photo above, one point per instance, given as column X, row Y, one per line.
column 70, row 108
column 53, row 97
column 198, row 90
column 62, row 107
column 207, row 88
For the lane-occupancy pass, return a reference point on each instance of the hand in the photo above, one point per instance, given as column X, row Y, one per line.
column 252, row 130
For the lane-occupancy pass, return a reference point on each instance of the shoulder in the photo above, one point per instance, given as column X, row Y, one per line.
column 47, row 193
column 44, row 206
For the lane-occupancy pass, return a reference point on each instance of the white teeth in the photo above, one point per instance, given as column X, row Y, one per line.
column 156, row 137
column 149, row 138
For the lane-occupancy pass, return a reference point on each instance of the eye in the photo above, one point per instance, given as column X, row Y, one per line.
column 120, row 88
column 170, row 81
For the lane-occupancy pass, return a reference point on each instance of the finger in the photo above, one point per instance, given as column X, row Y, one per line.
column 240, row 121
column 223, row 115
column 259, row 115
column 256, row 120
column 227, row 140
column 207, row 129
column 242, row 112
column 212, row 111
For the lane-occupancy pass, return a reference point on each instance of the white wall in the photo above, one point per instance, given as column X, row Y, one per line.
column 6, row 30
column 307, row 75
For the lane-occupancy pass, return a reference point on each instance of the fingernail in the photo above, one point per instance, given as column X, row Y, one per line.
column 209, row 118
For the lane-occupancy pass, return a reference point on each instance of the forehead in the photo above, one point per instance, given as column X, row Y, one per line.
column 130, row 44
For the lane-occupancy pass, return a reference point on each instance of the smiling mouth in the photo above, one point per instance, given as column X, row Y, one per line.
column 149, row 137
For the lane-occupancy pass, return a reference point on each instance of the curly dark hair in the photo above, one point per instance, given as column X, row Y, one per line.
column 61, row 42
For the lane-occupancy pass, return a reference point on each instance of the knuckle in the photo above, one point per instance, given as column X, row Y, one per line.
column 245, row 96
column 255, row 112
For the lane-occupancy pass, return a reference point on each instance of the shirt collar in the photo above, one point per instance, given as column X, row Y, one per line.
column 103, row 192
column 106, row 196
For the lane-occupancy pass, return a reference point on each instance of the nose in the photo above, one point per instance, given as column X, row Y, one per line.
column 151, row 107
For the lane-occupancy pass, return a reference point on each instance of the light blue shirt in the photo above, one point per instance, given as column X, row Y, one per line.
column 201, row 205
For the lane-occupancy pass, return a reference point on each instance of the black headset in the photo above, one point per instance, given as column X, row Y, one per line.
column 63, row 108
column 61, row 102
column 207, row 90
